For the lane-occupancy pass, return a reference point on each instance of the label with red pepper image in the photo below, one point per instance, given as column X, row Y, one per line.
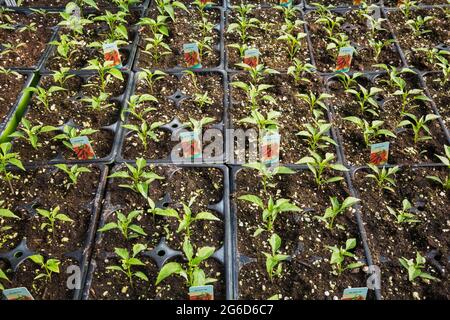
column 355, row 293
column 192, row 56
column 356, row 2
column 251, row 57
column 201, row 293
column 191, row 144
column 82, row 147
column 344, row 59
column 285, row 3
column 379, row 153
column 270, row 148
column 112, row 54
column 400, row 2
column 21, row 293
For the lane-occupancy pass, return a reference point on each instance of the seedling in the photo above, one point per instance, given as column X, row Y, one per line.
column 293, row 43
column 330, row 23
column 62, row 76
column 244, row 23
column 415, row 268
column 446, row 161
column 204, row 46
column 97, row 103
column 241, row 47
column 73, row 172
column 11, row 48
column 5, row 215
column 374, row 25
column 338, row 255
column 188, row 217
column 444, row 66
column 370, row 131
column 43, row 96
column 193, row 78
column 150, row 78
column 258, row 73
column 407, row 96
column 156, row 26
column 8, row 158
column 145, row 132
column 366, row 98
column 129, row 261
column 336, row 208
column 31, row 133
column 105, row 72
column 75, row 25
column 313, row 102
column 135, row 106
column 384, row 177
column 3, row 276
column 407, row 6
column 317, row 136
column 49, row 267
column 268, row 174
column 202, row 100
column 9, row 72
column 125, row 225
column 197, row 125
column 66, row 47
column 339, row 41
column 418, row 125
column 298, row 70
column 193, row 274
column 432, row 54
column 156, row 47
column 404, row 215
column 378, row 46
column 169, row 6
column 140, row 178
column 270, row 211
column 255, row 93
column 274, row 266
column 116, row 23
column 319, row 166
column 418, row 25
column 52, row 217
column 268, row 123
column 347, row 81
column 71, row 133
column 201, row 6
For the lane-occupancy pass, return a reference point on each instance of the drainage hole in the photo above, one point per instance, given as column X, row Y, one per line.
column 161, row 253
column 18, row 254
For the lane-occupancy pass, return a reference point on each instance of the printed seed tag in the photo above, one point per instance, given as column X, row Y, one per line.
column 191, row 55
column 270, row 148
column 356, row 2
column 201, row 293
column 82, row 148
column 112, row 54
column 17, row 294
column 355, row 294
column 191, row 144
column 400, row 2
column 285, row 3
column 11, row 3
column 251, row 57
column 379, row 153
column 208, row 2
column 344, row 59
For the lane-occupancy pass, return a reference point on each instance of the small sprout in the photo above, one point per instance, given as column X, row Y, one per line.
column 338, row 255
column 156, row 47
column 258, row 73
column 293, row 43
column 51, row 218
column 202, row 99
column 145, row 132
column 125, row 225
column 136, row 108
column 106, row 72
column 446, row 161
column 419, row 124
column 73, row 172
column 5, row 215
column 3, row 276
column 151, row 78
column 255, row 94
column 72, row 133
column 404, row 215
column 269, row 123
column 336, row 208
column 415, row 268
column 418, row 25
column 31, row 133
column 49, row 267
column 370, row 131
column 314, row 101
column 317, row 135
column 274, row 266
column 349, row 81
column 127, row 262
column 97, row 103
column 43, row 96
column 169, row 6
column 8, row 158
column 197, row 125
column 366, row 98
column 62, row 76
column 268, row 174
column 383, row 177
column 298, row 71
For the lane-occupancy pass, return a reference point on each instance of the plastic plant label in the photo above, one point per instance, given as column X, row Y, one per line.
column 191, row 145
column 344, row 59
column 11, row 3
column 356, row 2
column 285, row 3
column 82, row 147
column 208, row 3
column 379, row 153
column 355, row 293
column 112, row 54
column 17, row 294
column 251, row 57
column 270, row 148
column 191, row 55
column 400, row 2
column 201, row 293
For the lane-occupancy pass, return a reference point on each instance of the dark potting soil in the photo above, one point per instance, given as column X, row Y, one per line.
column 439, row 94
column 308, row 275
column 166, row 110
column 10, row 85
column 393, row 3
column 27, row 46
column 62, row 3
column 364, row 58
column 408, row 41
column 295, row 112
column 390, row 240
column 181, row 31
column 402, row 150
column 259, row 2
column 65, row 106
column 340, row 3
column 181, row 184
column 273, row 52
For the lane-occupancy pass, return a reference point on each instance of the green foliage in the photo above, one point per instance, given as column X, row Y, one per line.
column 125, row 225
column 49, row 267
column 268, row 174
column 8, row 158
column 31, row 133
column 71, row 133
column 415, row 268
column 145, row 132
column 418, row 125
column 338, row 255
column 370, row 131
column 336, row 208
column 317, row 136
column 274, row 266
column 151, row 78
column 130, row 261
column 445, row 183
column 106, row 72
column 51, row 217
column 73, row 172
column 43, row 96
column 383, row 177
column 404, row 215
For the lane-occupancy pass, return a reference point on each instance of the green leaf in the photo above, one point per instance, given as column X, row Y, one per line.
column 167, row 270
column 253, row 199
column 206, row 216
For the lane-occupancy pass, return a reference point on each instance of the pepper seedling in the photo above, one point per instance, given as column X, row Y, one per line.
column 4, row 277
column 9, row 158
column 293, row 43
column 49, row 267
column 43, row 96
column 156, row 26
column 446, row 161
column 268, row 174
column 418, row 125
column 404, row 215
column 62, row 76
column 73, row 172
column 274, row 265
column 5, row 215
column 314, row 101
column 97, row 103
column 415, row 268
column 193, row 274
column 105, row 72
column 71, row 133
column 66, row 47
column 31, row 133
column 125, row 225
column 347, row 81
column 258, row 73
column 52, row 217
column 371, row 130
column 317, row 136
column 336, row 208
column 365, row 98
column 202, row 100
column 269, row 123
column 135, row 106
column 145, row 132
column 384, row 177
column 169, row 6
column 156, row 48
column 338, row 255
column 418, row 24
column 270, row 211
column 298, row 69
column 255, row 93
column 129, row 261
column 150, row 78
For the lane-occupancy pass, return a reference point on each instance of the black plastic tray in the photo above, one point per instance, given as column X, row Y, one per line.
column 143, row 5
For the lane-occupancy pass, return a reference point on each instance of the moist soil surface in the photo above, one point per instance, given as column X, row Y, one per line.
column 10, row 85
column 390, row 240
column 166, row 110
column 77, row 202
column 338, row 3
column 180, row 184
column 308, row 275
column 358, row 32
column 439, row 94
column 402, row 150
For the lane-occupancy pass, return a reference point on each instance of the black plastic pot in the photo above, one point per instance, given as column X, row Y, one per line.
column 144, row 4
column 162, row 253
column 21, row 253
column 175, row 125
